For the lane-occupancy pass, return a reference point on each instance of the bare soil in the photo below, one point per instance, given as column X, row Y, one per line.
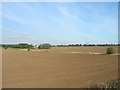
column 29, row 69
column 94, row 49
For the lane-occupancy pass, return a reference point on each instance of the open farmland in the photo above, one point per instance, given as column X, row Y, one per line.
column 92, row 49
column 52, row 68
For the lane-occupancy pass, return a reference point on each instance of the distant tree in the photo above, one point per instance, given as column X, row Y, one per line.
column 110, row 51
column 24, row 45
column 21, row 45
column 44, row 46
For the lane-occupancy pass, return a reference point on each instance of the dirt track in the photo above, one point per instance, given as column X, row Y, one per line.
column 23, row 69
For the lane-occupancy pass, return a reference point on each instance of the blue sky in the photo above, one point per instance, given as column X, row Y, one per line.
column 60, row 22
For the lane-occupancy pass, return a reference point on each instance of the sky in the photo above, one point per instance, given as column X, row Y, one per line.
column 59, row 22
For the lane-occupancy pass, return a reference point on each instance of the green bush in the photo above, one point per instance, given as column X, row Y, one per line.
column 110, row 51
column 112, row 85
column 28, row 49
column 5, row 47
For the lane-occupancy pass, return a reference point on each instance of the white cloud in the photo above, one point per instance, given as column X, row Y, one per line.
column 8, row 29
column 26, row 8
column 19, row 35
column 66, row 13
column 28, row 18
column 1, row 27
column 17, row 19
column 23, row 36
column 27, row 13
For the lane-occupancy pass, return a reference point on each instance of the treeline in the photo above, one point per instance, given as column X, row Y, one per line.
column 21, row 46
column 26, row 46
column 88, row 45
column 48, row 46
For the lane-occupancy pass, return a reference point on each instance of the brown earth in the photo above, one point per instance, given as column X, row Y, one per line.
column 97, row 49
column 28, row 69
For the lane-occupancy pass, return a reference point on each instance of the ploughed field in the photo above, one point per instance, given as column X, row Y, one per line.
column 55, row 69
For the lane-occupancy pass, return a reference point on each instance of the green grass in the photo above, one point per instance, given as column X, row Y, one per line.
column 92, row 53
column 112, row 85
